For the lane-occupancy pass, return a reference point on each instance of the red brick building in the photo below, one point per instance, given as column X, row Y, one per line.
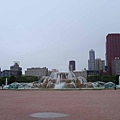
column 112, row 49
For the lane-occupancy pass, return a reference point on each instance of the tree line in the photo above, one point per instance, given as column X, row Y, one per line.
column 29, row 79
column 22, row 79
column 105, row 78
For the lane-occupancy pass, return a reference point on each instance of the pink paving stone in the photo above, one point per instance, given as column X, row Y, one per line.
column 77, row 104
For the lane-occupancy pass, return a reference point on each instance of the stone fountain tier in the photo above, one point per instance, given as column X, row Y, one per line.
column 60, row 80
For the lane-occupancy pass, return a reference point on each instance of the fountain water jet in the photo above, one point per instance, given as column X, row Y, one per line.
column 6, row 82
column 64, row 80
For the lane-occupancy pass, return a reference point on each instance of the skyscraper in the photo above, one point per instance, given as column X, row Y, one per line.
column 91, row 61
column 99, row 65
column 72, row 65
column 112, row 50
column 115, row 66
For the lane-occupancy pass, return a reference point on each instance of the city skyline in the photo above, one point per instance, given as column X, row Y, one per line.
column 49, row 33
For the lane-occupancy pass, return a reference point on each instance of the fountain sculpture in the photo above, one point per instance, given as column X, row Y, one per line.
column 62, row 80
column 59, row 80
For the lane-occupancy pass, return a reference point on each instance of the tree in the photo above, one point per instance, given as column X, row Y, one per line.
column 116, row 79
column 11, row 79
column 106, row 78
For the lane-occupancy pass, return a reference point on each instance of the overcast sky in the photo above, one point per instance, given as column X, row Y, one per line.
column 49, row 33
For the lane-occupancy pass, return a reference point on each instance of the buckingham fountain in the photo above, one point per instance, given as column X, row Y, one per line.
column 62, row 80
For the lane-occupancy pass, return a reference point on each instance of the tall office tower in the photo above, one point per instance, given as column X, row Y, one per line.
column 72, row 65
column 91, row 61
column 115, row 66
column 112, row 50
column 99, row 65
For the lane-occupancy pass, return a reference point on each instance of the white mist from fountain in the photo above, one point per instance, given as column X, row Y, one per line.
column 71, row 76
column 58, row 81
column 59, row 84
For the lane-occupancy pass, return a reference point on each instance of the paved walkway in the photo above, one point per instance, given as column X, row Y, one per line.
column 76, row 104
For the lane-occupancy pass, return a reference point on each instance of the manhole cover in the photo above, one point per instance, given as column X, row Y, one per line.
column 48, row 115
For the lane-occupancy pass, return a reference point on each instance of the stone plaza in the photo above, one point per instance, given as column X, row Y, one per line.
column 59, row 104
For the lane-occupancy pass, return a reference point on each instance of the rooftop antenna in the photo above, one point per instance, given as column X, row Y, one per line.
column 17, row 62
